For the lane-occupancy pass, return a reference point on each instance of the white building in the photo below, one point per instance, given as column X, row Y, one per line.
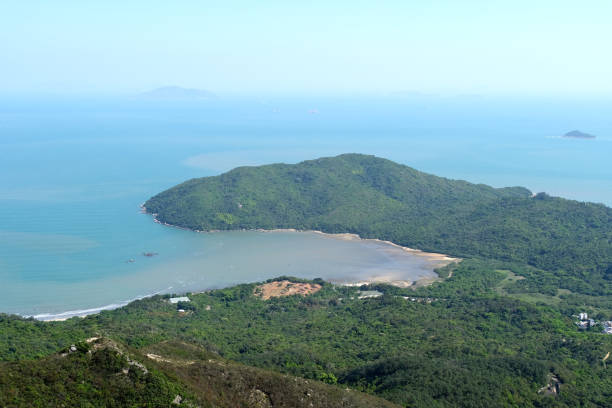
column 179, row 299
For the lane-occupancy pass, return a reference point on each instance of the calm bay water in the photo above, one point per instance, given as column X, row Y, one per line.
column 73, row 173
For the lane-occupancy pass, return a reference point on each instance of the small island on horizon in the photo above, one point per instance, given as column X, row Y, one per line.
column 577, row 134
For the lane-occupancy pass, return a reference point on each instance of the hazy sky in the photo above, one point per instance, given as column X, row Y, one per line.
column 267, row 46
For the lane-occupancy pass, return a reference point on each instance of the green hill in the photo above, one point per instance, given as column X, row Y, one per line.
column 457, row 343
column 377, row 198
column 102, row 373
column 97, row 373
column 227, row 384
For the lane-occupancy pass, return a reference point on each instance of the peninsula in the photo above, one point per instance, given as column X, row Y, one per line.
column 567, row 241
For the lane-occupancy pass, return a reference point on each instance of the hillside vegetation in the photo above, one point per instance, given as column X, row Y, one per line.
column 377, row 198
column 497, row 330
column 456, row 343
column 103, row 374
column 96, row 374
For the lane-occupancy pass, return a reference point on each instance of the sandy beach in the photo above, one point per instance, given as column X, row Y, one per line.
column 438, row 260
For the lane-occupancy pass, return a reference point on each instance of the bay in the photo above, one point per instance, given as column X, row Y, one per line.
column 73, row 172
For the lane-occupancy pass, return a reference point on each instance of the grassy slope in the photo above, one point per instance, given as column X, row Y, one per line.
column 92, row 376
column 378, row 198
column 100, row 375
column 228, row 384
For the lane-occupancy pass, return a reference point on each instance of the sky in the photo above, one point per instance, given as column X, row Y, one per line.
column 287, row 47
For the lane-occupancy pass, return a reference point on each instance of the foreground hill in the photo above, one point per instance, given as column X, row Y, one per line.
column 456, row 343
column 377, row 198
column 101, row 373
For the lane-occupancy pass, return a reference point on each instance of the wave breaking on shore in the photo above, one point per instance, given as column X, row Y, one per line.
column 52, row 317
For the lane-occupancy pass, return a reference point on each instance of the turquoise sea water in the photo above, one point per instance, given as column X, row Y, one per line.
column 74, row 171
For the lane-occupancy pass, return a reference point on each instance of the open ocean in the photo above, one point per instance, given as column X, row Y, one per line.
column 73, row 172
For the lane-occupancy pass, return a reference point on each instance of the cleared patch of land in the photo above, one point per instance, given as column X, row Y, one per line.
column 285, row 288
column 540, row 297
column 510, row 278
column 530, row 297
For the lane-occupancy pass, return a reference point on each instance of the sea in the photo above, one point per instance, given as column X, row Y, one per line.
column 75, row 169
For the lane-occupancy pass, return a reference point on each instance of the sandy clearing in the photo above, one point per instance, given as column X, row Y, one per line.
column 285, row 288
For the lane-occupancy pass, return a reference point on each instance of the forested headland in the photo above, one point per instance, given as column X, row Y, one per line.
column 569, row 241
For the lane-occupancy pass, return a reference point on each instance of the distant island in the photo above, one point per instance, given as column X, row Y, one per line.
column 576, row 134
column 177, row 93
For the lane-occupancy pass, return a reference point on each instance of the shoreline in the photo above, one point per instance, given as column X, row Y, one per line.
column 69, row 314
column 442, row 259
column 82, row 313
column 347, row 236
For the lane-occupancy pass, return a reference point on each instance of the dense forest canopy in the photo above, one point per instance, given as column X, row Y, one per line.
column 456, row 343
column 377, row 198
